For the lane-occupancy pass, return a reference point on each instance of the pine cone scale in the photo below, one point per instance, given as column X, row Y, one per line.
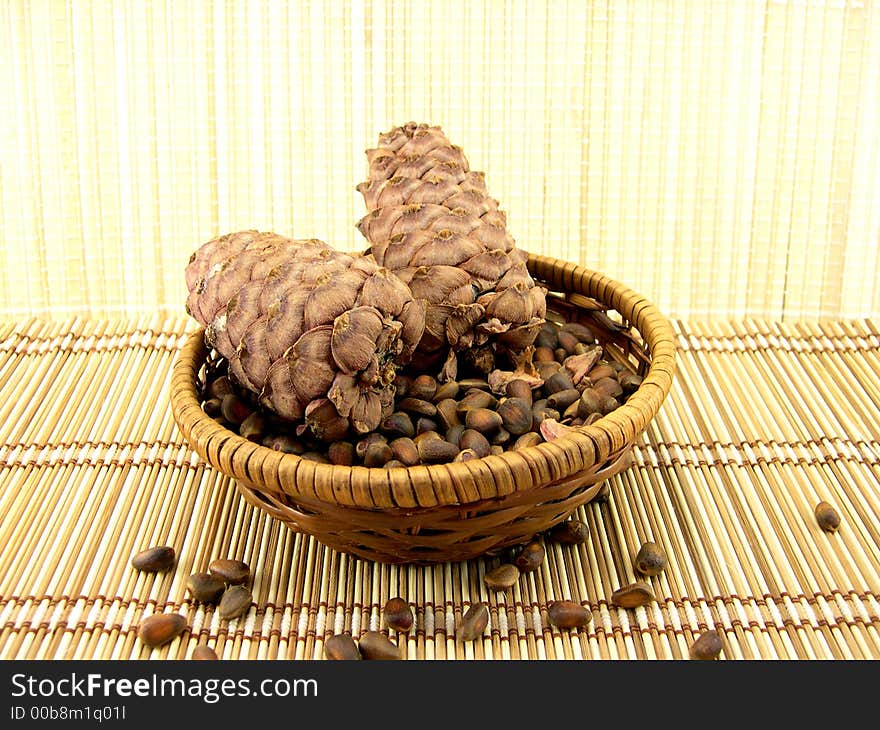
column 354, row 338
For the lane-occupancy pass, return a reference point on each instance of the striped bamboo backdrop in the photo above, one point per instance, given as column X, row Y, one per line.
column 722, row 158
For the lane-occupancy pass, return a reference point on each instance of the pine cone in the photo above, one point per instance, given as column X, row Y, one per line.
column 433, row 224
column 316, row 333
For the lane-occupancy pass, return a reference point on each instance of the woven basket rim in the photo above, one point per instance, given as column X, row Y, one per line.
column 427, row 486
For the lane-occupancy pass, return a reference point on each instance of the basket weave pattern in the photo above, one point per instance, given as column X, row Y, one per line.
column 457, row 511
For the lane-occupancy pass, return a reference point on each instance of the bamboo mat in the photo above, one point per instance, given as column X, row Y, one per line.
column 764, row 420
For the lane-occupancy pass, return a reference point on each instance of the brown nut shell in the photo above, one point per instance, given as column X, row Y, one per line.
column 205, row 587
column 569, row 532
column 706, row 647
column 398, row 614
column 568, row 614
column 650, row 559
column 233, row 572
column 154, row 559
column 474, row 622
column 341, row 647
column 516, row 415
column 501, row 577
column 161, row 628
column 827, row 517
column 376, row 646
column 235, row 602
column 632, row 595
column 530, row 557
column 204, row 653
column 436, row 451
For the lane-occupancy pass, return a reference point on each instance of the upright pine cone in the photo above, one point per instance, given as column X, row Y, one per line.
column 432, row 222
column 316, row 333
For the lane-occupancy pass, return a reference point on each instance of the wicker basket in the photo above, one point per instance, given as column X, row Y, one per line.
column 453, row 512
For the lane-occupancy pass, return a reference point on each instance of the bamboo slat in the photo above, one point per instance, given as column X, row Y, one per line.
column 763, row 420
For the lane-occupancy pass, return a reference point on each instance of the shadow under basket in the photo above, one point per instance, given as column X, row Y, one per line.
column 457, row 511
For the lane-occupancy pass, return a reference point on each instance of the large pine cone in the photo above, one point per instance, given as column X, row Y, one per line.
column 317, row 333
column 432, row 222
